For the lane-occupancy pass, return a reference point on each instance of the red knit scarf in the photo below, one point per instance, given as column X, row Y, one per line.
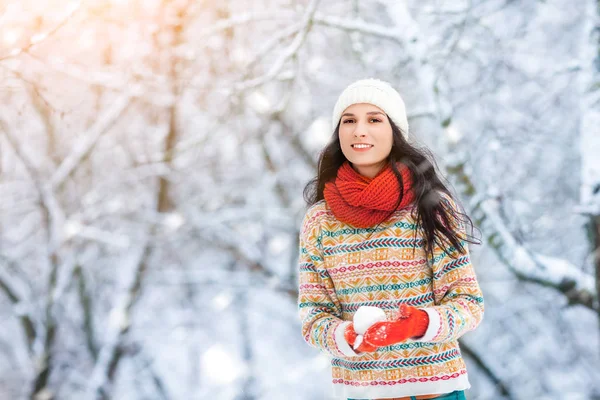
column 364, row 202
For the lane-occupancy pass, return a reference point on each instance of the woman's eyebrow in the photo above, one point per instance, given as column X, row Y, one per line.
column 369, row 113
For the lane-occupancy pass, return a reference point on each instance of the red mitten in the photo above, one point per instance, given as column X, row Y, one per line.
column 350, row 336
column 409, row 323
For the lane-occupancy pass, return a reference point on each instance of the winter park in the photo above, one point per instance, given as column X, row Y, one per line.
column 299, row 200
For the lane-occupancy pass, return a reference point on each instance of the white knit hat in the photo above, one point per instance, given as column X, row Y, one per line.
column 376, row 92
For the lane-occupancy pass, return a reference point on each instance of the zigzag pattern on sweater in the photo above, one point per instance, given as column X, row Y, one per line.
column 307, row 267
column 451, row 323
column 399, row 363
column 373, row 244
column 459, row 262
column 387, row 305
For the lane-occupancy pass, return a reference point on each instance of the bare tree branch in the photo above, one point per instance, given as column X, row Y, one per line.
column 280, row 37
column 358, row 25
column 83, row 149
column 111, row 352
column 26, row 321
column 53, row 218
column 86, row 305
column 576, row 285
column 287, row 54
column 487, row 370
column 146, row 364
column 228, row 23
column 41, row 37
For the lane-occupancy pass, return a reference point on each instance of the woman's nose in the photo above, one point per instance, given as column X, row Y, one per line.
column 360, row 130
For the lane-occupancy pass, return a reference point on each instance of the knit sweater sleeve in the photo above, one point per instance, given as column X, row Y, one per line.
column 458, row 298
column 318, row 306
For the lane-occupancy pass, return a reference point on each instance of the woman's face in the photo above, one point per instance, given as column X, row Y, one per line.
column 365, row 123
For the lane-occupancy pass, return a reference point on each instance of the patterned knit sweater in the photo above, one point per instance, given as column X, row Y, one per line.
column 342, row 268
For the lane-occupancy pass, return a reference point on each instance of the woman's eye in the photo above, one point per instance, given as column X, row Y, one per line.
column 351, row 120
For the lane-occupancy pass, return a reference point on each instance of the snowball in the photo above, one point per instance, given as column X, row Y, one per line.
column 366, row 316
column 358, row 341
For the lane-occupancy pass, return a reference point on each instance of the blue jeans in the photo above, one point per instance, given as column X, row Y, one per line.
column 456, row 395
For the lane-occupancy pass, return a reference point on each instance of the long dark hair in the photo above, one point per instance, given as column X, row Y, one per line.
column 438, row 220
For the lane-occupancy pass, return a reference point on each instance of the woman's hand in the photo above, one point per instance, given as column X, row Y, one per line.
column 409, row 323
column 350, row 335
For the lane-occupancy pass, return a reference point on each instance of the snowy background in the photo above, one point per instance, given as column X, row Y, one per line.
column 153, row 155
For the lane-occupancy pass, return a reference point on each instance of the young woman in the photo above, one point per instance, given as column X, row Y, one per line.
column 383, row 233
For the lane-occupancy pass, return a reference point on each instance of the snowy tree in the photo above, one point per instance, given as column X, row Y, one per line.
column 152, row 160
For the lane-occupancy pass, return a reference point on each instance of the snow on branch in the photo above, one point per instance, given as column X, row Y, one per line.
column 118, row 326
column 286, row 54
column 357, row 25
column 589, row 89
column 292, row 30
column 41, row 37
column 90, row 138
column 225, row 24
column 592, row 207
column 48, row 201
column 147, row 88
column 556, row 273
column 22, row 312
column 85, row 299
column 109, row 80
column 235, row 245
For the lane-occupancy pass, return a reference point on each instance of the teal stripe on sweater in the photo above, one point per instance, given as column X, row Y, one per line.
column 312, row 304
column 391, row 286
column 408, row 346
